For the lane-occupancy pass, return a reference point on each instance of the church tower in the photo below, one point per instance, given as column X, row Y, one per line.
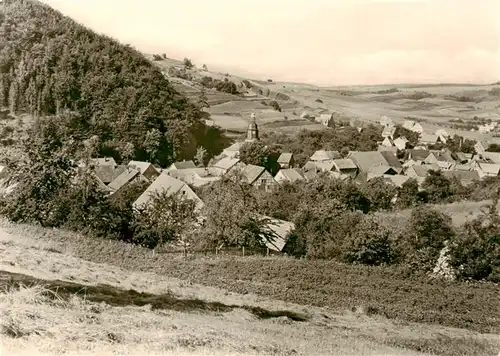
column 253, row 130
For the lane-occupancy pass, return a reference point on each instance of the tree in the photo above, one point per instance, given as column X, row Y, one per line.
column 437, row 187
column 187, row 63
column 164, row 220
column 409, row 195
column 259, row 154
column 380, row 194
column 230, row 213
column 202, row 99
column 494, row 147
column 201, row 155
column 475, row 251
column 204, row 67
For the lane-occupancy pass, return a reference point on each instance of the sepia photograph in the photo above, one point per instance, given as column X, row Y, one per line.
column 250, row 178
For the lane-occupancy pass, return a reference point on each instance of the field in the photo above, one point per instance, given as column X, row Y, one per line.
column 226, row 305
column 435, row 105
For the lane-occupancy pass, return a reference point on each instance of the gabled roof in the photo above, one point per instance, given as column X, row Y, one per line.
column 401, row 142
column 463, row 157
column 443, row 156
column 285, row 158
column 346, row 163
column 310, row 166
column 226, row 163
column 325, row 166
column 322, row 155
column 235, row 147
column 388, row 131
column 182, row 165
column 382, row 148
column 408, row 124
column 397, row 179
column 379, row 171
column 165, row 183
column 392, row 160
column 366, row 160
column 418, row 155
column 124, row 178
column 494, row 157
column 280, row 229
column 428, row 138
column 108, row 173
column 142, row 166
column 463, row 167
column 292, row 174
column 251, row 173
column 490, row 168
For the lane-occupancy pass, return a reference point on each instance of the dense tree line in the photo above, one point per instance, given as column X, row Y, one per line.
column 49, row 64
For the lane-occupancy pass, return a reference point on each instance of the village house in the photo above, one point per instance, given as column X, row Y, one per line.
column 491, row 157
column 258, row 177
column 103, row 161
column 487, row 169
column 429, row 139
column 481, row 147
column 442, row 134
column 420, row 172
column 146, row 169
column 324, row 119
column 169, row 185
column 389, row 131
column 345, row 166
column 387, row 142
column 278, row 231
column 400, row 143
column 413, row 126
column 418, row 156
column 195, row 177
column 367, row 161
column 322, row 155
column 382, row 148
column 462, row 158
column 290, row 175
column 233, row 151
column 286, row 160
column 108, row 173
column 225, row 165
column 442, row 158
column 386, row 121
column 182, row 165
column 131, row 174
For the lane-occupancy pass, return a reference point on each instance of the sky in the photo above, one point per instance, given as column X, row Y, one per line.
column 322, row 42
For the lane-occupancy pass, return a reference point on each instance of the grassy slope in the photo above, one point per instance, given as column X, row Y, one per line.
column 362, row 102
column 52, row 254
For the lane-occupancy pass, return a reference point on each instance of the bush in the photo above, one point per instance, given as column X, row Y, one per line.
column 274, row 104
column 319, row 101
column 475, row 251
column 187, row 63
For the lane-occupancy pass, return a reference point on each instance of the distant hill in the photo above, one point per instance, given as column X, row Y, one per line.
column 50, row 65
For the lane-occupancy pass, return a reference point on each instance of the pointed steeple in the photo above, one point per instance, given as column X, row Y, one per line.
column 253, row 130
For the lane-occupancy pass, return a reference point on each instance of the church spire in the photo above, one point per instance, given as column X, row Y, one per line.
column 253, row 130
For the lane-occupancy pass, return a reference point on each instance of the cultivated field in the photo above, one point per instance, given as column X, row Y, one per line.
column 225, row 305
column 435, row 105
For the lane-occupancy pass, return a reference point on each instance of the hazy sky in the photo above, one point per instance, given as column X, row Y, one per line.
column 325, row 42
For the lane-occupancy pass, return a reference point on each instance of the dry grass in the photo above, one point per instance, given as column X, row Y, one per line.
column 52, row 255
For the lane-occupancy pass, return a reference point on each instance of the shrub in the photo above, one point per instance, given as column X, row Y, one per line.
column 319, row 101
column 475, row 251
column 274, row 104
column 187, row 63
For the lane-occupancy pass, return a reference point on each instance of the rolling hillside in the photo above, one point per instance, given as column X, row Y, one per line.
column 434, row 106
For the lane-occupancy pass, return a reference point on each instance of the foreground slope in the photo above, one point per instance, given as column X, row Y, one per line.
column 179, row 317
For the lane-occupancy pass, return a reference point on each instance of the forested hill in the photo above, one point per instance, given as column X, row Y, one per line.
column 50, row 65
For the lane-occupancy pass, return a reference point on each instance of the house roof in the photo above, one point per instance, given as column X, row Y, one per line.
column 490, row 168
column 366, row 160
column 463, row 157
column 379, row 171
column 397, row 179
column 285, row 158
column 408, row 124
column 226, row 163
column 443, row 156
column 423, row 170
column 183, row 165
column 104, row 161
column 428, row 138
column 164, row 183
column 108, row 173
column 494, row 157
column 442, row 132
column 388, row 131
column 463, row 167
column 382, row 148
column 251, row 172
column 345, row 163
column 292, row 174
column 142, row 166
column 325, row 166
column 391, row 159
column 310, row 175
column 235, row 147
column 124, row 178
column 322, row 155
column 280, row 229
column 418, row 155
